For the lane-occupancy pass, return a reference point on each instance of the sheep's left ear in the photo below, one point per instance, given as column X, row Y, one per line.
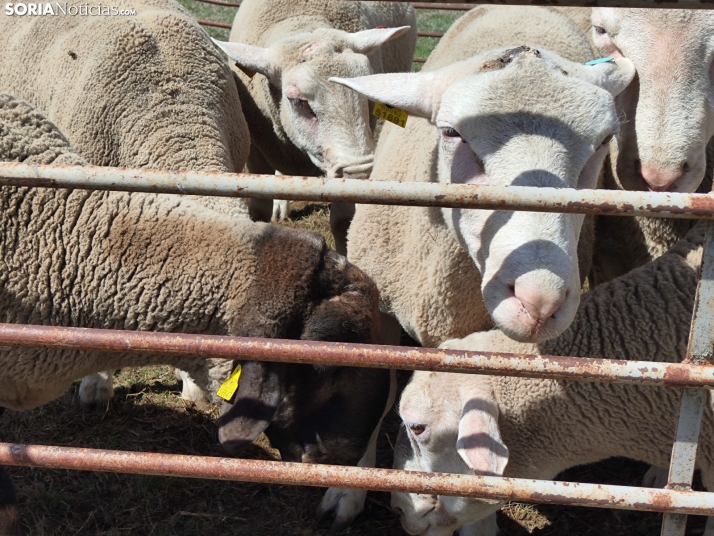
column 368, row 41
column 412, row 92
column 613, row 76
column 479, row 443
column 252, row 58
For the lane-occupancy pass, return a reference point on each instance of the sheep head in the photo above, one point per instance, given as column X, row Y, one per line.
column 329, row 123
column 669, row 107
column 516, row 117
column 450, row 426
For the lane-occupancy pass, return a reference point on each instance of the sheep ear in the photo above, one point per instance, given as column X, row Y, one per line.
column 613, row 76
column 252, row 407
column 368, row 41
column 251, row 58
column 479, row 442
column 409, row 91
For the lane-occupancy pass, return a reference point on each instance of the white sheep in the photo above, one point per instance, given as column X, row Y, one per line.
column 506, row 116
column 668, row 114
column 285, row 51
column 145, row 91
column 165, row 263
column 534, row 428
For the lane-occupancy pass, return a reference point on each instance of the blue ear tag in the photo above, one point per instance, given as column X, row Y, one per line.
column 600, row 60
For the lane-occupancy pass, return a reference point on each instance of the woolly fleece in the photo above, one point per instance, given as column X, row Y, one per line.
column 148, row 91
column 138, row 262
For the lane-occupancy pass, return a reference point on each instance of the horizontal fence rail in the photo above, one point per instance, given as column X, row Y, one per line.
column 303, row 474
column 425, row 194
column 356, row 355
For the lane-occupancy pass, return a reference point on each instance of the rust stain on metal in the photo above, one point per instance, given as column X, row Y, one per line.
column 356, row 355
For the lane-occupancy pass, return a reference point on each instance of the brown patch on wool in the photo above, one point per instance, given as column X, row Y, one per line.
column 508, row 57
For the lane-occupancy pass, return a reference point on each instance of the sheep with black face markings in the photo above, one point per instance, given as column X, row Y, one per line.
column 165, row 263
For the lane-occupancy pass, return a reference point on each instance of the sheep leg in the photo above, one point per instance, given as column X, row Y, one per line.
column 259, row 209
column 341, row 215
column 9, row 525
column 191, row 392
column 349, row 503
column 96, row 389
column 281, row 207
column 655, row 477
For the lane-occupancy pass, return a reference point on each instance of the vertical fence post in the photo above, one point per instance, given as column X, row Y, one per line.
column 699, row 352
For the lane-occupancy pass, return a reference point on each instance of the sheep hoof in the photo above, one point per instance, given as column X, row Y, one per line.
column 655, row 477
column 281, row 209
column 346, row 503
column 192, row 394
column 96, row 390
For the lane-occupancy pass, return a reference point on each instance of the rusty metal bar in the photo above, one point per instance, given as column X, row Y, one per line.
column 417, row 5
column 691, row 410
column 427, row 194
column 446, row 7
column 299, row 474
column 668, row 4
column 214, row 24
column 356, row 355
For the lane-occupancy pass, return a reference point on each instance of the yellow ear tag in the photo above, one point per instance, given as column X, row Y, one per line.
column 229, row 387
column 388, row 113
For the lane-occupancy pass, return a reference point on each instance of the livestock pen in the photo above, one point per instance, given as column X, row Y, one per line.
column 694, row 376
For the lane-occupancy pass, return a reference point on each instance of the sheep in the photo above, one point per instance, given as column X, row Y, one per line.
column 146, row 91
column 165, row 263
column 285, row 50
column 664, row 143
column 530, row 118
column 535, row 428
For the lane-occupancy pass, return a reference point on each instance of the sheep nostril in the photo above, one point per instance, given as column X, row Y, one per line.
column 686, row 168
column 396, row 509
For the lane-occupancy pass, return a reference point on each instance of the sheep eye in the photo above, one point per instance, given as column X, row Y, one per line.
column 417, row 429
column 607, row 140
column 450, row 133
column 600, row 30
column 302, row 106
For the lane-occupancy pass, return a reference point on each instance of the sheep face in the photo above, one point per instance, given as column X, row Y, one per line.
column 451, row 427
column 520, row 117
column 328, row 123
column 669, row 107
column 310, row 413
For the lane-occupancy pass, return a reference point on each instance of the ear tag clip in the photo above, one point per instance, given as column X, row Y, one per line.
column 391, row 114
column 600, row 60
column 229, row 387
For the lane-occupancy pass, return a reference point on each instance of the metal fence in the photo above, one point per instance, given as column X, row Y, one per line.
column 695, row 375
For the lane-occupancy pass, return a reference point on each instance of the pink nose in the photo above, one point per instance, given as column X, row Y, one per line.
column 661, row 180
column 539, row 305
